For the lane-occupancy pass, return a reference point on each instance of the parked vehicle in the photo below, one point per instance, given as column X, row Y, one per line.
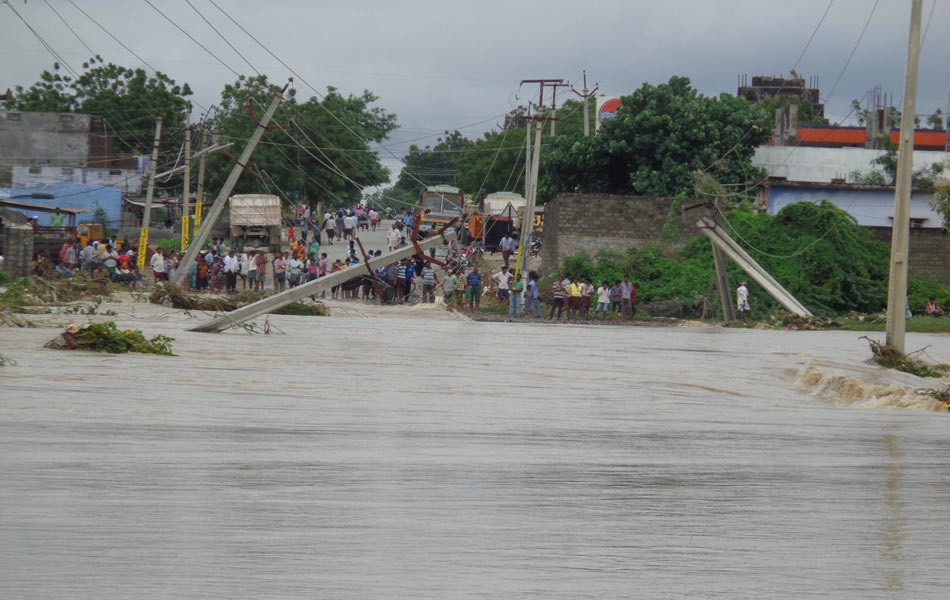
column 443, row 203
column 255, row 223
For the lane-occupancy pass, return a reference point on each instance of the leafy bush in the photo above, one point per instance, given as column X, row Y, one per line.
column 5, row 278
column 818, row 252
column 170, row 244
column 922, row 290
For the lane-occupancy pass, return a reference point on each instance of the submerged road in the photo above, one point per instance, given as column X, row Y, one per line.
column 406, row 458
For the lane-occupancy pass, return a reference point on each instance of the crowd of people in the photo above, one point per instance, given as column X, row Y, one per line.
column 106, row 260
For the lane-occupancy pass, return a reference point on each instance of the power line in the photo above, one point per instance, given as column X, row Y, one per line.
column 69, row 27
column 220, row 35
column 813, row 33
column 315, row 90
column 190, row 37
column 853, row 50
column 49, row 48
column 109, row 33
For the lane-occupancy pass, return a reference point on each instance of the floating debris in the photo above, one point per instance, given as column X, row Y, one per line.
column 107, row 337
column 892, row 358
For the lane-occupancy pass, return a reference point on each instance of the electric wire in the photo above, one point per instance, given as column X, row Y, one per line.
column 813, row 33
column 222, row 36
column 56, row 55
column 70, row 28
column 315, row 90
column 109, row 33
column 192, row 38
column 853, row 50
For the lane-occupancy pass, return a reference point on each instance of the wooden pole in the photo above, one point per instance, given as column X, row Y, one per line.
column 900, row 237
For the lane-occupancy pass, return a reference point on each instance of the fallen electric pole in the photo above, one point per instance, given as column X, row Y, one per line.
column 272, row 303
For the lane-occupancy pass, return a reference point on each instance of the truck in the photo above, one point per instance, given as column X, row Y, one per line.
column 440, row 204
column 255, row 222
column 503, row 212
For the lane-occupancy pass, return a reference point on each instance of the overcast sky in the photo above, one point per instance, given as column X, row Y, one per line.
column 447, row 64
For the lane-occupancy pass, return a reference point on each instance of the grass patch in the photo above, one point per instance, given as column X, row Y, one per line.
column 914, row 325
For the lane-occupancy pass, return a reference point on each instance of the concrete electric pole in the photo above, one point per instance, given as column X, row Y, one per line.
column 222, row 200
column 147, row 217
column 186, row 191
column 586, row 95
column 900, row 237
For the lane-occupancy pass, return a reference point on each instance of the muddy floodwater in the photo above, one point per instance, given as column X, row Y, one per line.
column 400, row 457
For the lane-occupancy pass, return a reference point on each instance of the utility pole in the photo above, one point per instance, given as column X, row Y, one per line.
column 147, row 217
column 900, row 237
column 199, row 194
column 531, row 190
column 586, row 95
column 554, row 87
column 186, row 193
column 207, row 224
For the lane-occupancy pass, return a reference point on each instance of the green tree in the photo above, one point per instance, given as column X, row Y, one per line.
column 129, row 100
column 431, row 165
column 661, row 137
column 316, row 150
column 935, row 121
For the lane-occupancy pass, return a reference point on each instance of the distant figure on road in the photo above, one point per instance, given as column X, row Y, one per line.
column 742, row 300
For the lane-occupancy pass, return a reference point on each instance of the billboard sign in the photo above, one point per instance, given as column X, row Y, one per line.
column 606, row 109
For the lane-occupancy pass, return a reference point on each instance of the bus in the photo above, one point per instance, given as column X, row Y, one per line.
column 444, row 203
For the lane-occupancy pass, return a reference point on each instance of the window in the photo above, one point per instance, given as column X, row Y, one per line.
column 35, row 170
column 66, row 171
column 115, row 171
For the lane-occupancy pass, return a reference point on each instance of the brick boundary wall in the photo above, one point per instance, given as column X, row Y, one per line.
column 929, row 252
column 575, row 222
column 17, row 249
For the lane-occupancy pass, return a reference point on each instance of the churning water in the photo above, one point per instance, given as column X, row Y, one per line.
column 410, row 458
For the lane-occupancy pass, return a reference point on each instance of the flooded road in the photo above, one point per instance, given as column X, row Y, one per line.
column 406, row 458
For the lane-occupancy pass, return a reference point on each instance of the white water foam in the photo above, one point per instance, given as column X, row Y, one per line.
column 847, row 390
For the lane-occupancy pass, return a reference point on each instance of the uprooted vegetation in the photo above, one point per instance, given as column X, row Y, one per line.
column 20, row 295
column 171, row 295
column 107, row 337
column 892, row 358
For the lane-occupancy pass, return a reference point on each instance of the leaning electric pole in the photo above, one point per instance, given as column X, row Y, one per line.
column 586, row 95
column 900, row 236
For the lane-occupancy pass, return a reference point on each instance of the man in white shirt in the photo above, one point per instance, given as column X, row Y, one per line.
column 742, row 300
column 393, row 237
column 349, row 226
column 503, row 279
column 507, row 247
column 231, row 267
column 157, row 263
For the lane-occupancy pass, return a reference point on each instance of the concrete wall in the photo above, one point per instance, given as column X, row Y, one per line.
column 17, row 249
column 35, row 138
column 929, row 252
column 821, row 165
column 589, row 222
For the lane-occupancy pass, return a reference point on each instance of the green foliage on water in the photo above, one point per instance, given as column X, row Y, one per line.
column 107, row 337
column 816, row 251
